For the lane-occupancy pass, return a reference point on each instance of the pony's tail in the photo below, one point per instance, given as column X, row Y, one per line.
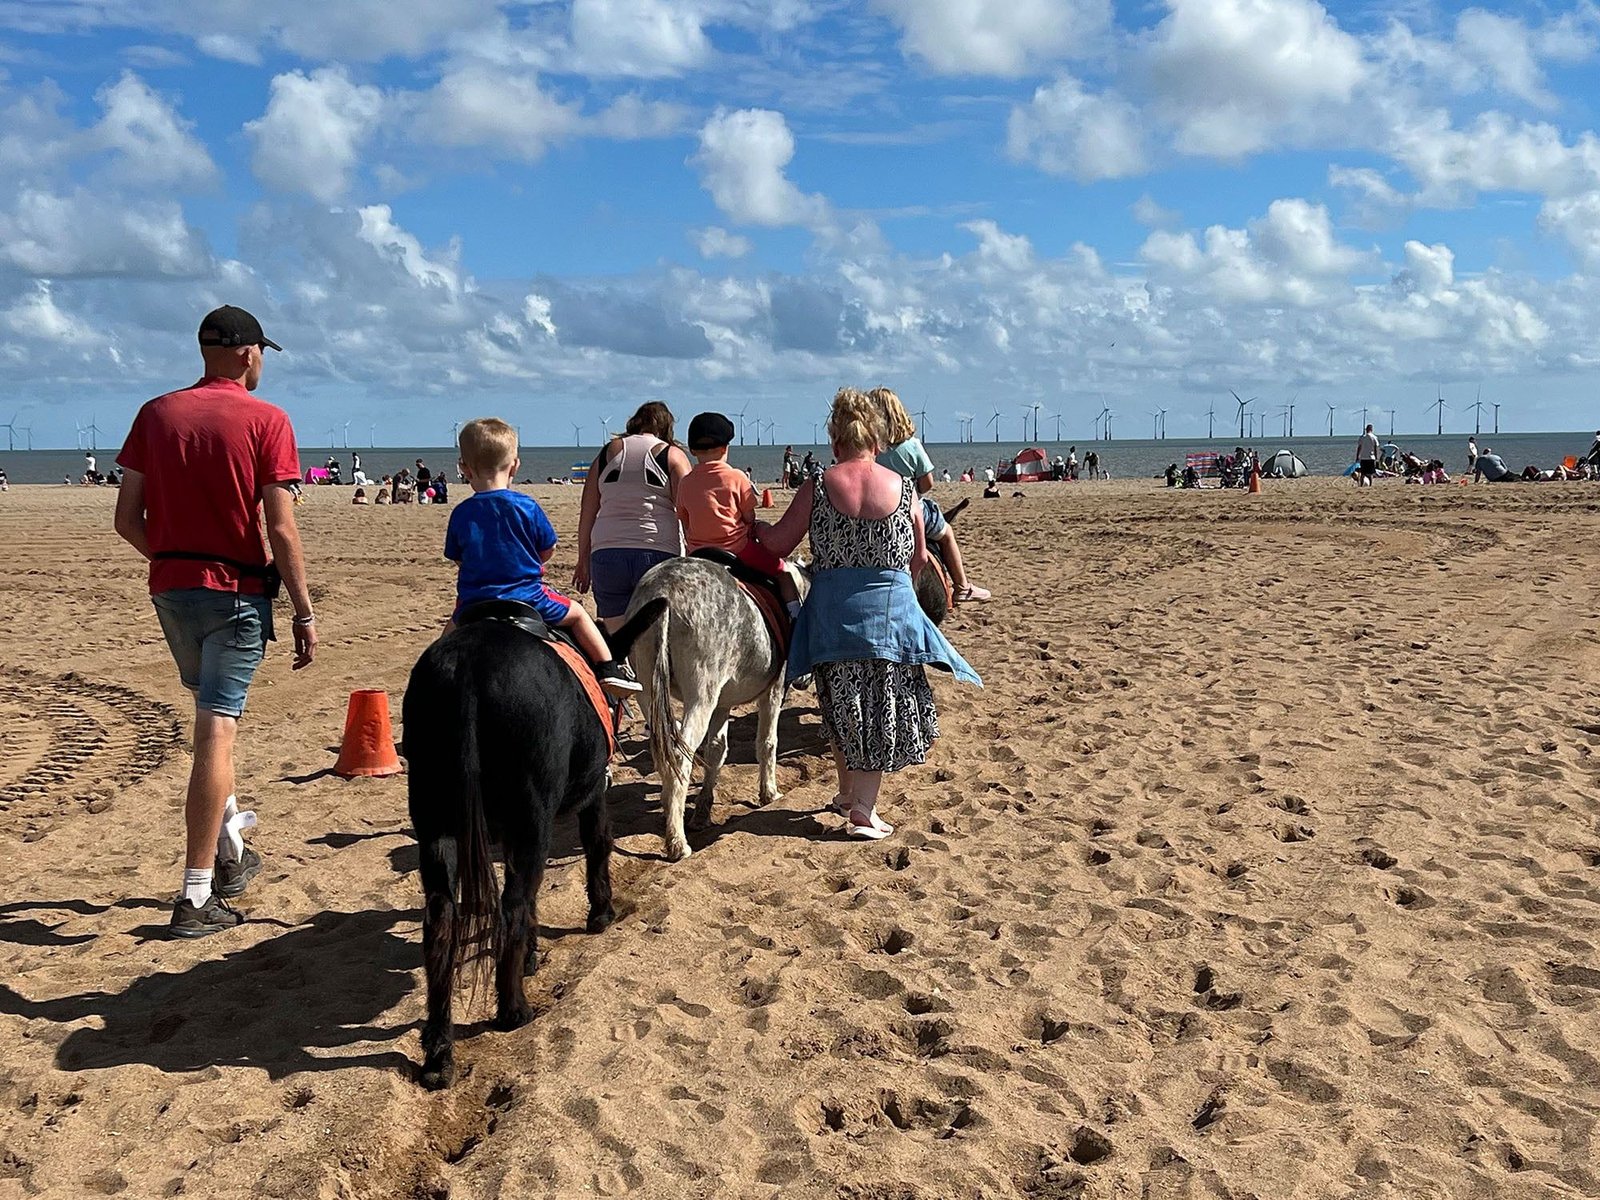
column 479, row 928
column 664, row 740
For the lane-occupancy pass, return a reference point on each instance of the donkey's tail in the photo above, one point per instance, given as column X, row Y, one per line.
column 665, row 745
column 623, row 638
column 479, row 929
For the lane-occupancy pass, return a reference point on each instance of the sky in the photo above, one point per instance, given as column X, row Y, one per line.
column 555, row 210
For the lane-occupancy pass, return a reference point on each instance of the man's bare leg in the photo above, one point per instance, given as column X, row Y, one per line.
column 210, row 785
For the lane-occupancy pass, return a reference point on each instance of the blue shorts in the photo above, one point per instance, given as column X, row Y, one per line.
column 217, row 639
column 544, row 599
column 933, row 522
column 615, row 573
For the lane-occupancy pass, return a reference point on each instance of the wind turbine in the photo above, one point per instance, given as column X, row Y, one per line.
column 922, row 424
column 1331, row 411
column 93, row 430
column 1109, row 415
column 1477, row 423
column 1292, row 399
column 1057, row 417
column 455, row 432
column 1211, row 419
column 11, row 431
column 372, row 436
column 1035, row 406
column 1163, row 424
column 28, row 429
column 605, row 430
column 771, row 428
column 1243, row 404
column 1496, row 408
column 577, row 434
column 995, row 421
column 742, row 407
column 1155, row 426
column 347, row 435
column 1391, row 424
column 1440, row 405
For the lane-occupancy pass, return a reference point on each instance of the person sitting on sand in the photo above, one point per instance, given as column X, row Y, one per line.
column 716, row 506
column 1492, row 467
column 383, row 496
column 360, row 496
column 501, row 539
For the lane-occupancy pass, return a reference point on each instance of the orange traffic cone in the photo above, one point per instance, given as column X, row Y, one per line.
column 766, row 497
column 368, row 746
column 1255, row 480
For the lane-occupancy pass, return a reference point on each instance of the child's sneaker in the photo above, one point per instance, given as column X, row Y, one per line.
column 617, row 679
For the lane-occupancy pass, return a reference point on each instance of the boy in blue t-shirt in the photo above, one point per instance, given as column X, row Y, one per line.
column 501, row 540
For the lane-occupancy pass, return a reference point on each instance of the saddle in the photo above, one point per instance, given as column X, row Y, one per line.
column 762, row 590
column 526, row 618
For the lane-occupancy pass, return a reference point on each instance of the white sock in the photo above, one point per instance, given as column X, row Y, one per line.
column 794, row 609
column 230, row 841
column 197, row 885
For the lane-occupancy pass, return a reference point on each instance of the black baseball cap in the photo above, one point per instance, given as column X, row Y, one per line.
column 709, row 430
column 230, row 326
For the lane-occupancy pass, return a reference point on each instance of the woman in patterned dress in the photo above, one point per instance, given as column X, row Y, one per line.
column 861, row 634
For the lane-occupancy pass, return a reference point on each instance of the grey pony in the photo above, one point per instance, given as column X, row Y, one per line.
column 692, row 633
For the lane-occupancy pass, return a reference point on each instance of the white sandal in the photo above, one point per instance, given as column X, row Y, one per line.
column 874, row 829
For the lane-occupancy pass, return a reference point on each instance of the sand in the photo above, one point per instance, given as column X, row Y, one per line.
column 1266, row 865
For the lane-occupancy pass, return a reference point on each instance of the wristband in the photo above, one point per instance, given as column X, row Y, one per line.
column 302, row 622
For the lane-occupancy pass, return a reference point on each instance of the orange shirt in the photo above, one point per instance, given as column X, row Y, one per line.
column 716, row 506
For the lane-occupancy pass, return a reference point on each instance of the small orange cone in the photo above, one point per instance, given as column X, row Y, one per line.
column 368, row 746
column 766, row 497
column 1255, row 480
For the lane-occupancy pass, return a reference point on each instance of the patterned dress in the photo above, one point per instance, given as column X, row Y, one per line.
column 880, row 714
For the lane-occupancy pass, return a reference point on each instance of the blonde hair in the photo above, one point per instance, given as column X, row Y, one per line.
column 486, row 445
column 897, row 421
column 856, row 422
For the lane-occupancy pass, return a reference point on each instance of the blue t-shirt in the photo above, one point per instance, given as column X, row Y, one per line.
column 500, row 539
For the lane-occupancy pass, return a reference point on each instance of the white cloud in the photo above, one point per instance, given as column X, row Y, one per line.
column 1065, row 130
column 996, row 37
column 716, row 242
column 742, row 157
column 475, row 105
column 153, row 145
column 311, row 137
column 1230, row 76
column 86, row 233
column 1152, row 215
column 36, row 316
column 643, row 38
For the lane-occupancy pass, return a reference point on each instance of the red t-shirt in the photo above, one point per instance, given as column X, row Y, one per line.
column 206, row 454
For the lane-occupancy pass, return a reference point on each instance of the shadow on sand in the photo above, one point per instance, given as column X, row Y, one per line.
column 320, row 986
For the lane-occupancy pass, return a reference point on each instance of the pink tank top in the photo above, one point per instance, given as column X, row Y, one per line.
column 636, row 509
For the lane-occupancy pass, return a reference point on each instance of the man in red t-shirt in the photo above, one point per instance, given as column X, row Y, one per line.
column 200, row 467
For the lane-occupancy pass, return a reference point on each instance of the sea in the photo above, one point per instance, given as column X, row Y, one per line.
column 1123, row 458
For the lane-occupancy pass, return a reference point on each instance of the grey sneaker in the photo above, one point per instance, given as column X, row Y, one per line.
column 231, row 878
column 215, row 915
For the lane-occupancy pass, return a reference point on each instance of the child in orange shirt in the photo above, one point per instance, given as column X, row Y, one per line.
column 717, row 505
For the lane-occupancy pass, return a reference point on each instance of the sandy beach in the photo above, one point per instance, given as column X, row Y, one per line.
column 1267, row 865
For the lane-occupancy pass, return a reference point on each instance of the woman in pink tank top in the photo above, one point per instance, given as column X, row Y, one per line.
column 629, row 521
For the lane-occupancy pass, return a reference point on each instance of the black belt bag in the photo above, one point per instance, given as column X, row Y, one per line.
column 271, row 581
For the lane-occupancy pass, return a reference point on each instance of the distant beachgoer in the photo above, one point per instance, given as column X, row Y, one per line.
column 627, row 519
column 383, row 496
column 201, row 466
column 1091, row 461
column 1172, row 475
column 991, row 490
column 1492, row 467
column 945, row 477
column 1472, row 452
column 1072, row 462
column 1367, row 457
column 988, row 475
column 5, row 484
column 88, row 464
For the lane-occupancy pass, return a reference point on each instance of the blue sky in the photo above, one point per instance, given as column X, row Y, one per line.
column 557, row 209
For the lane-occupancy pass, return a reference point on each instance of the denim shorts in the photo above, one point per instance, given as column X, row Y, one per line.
column 217, row 639
column 933, row 522
column 616, row 572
